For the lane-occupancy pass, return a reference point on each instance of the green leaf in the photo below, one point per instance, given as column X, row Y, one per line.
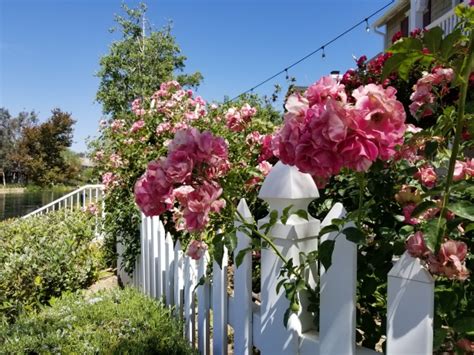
column 448, row 45
column 302, row 214
column 422, row 207
column 464, row 325
column 354, row 235
column 431, row 232
column 219, row 253
column 328, row 229
column 407, row 44
column 286, row 317
column 279, row 285
column 439, row 336
column 469, row 227
column 407, row 64
column 462, row 209
column 285, row 214
column 392, row 64
column 240, row 256
column 231, row 241
column 325, row 253
column 432, row 39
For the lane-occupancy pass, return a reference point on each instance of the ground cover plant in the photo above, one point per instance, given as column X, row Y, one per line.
column 45, row 255
column 110, row 322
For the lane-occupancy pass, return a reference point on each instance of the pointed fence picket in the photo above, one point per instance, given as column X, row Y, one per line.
column 163, row 271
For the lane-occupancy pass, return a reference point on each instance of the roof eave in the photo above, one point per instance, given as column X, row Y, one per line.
column 397, row 7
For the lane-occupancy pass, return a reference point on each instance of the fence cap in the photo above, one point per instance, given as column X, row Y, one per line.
column 287, row 182
column 410, row 268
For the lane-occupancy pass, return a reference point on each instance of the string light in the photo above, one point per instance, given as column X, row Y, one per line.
column 286, row 74
column 321, row 48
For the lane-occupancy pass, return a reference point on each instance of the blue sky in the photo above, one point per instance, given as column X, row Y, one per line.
column 50, row 49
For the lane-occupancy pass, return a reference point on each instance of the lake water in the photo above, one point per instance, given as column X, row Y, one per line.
column 19, row 204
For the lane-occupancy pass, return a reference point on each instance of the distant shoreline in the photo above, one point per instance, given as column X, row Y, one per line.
column 12, row 190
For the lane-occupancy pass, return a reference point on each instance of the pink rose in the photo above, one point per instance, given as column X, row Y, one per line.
column 153, row 192
column 325, row 88
column 317, row 160
column 465, row 344
column 469, row 167
column 196, row 249
column 181, row 193
column 427, row 176
column 178, row 167
column 451, row 257
column 416, row 246
column 109, row 180
column 200, row 202
column 407, row 211
column 265, row 167
column 162, row 127
column 296, row 106
column 380, row 116
column 459, row 171
column 137, row 126
column 247, row 111
column 358, row 153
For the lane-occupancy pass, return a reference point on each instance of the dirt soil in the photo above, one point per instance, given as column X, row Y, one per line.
column 108, row 281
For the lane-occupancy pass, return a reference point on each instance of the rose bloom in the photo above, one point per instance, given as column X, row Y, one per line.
column 465, row 344
column 459, row 171
column 137, row 126
column 196, row 249
column 416, row 246
column 451, row 256
column 265, row 167
column 427, row 176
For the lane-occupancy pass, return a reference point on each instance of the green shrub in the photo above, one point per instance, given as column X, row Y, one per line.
column 112, row 322
column 40, row 257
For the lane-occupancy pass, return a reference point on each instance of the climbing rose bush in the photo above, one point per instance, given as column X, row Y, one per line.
column 188, row 175
column 323, row 132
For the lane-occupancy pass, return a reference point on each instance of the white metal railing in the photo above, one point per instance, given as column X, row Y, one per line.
column 79, row 198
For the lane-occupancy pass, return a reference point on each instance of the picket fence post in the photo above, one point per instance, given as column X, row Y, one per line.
column 219, row 306
column 203, row 299
column 285, row 186
column 178, row 280
column 337, row 317
column 243, row 323
column 410, row 308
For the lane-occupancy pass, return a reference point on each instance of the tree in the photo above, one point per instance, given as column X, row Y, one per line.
column 10, row 133
column 137, row 64
column 40, row 151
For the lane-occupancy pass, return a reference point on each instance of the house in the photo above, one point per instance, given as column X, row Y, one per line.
column 406, row 15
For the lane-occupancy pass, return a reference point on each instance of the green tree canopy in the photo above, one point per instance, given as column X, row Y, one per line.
column 137, row 64
column 40, row 151
column 10, row 133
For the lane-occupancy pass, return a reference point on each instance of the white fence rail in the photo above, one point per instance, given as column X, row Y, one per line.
column 164, row 271
column 79, row 198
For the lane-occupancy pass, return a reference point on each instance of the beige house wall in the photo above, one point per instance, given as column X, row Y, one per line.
column 439, row 8
column 393, row 26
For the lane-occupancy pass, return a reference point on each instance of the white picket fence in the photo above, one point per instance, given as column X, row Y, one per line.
column 164, row 271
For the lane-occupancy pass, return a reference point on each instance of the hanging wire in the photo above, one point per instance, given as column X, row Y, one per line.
column 365, row 20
